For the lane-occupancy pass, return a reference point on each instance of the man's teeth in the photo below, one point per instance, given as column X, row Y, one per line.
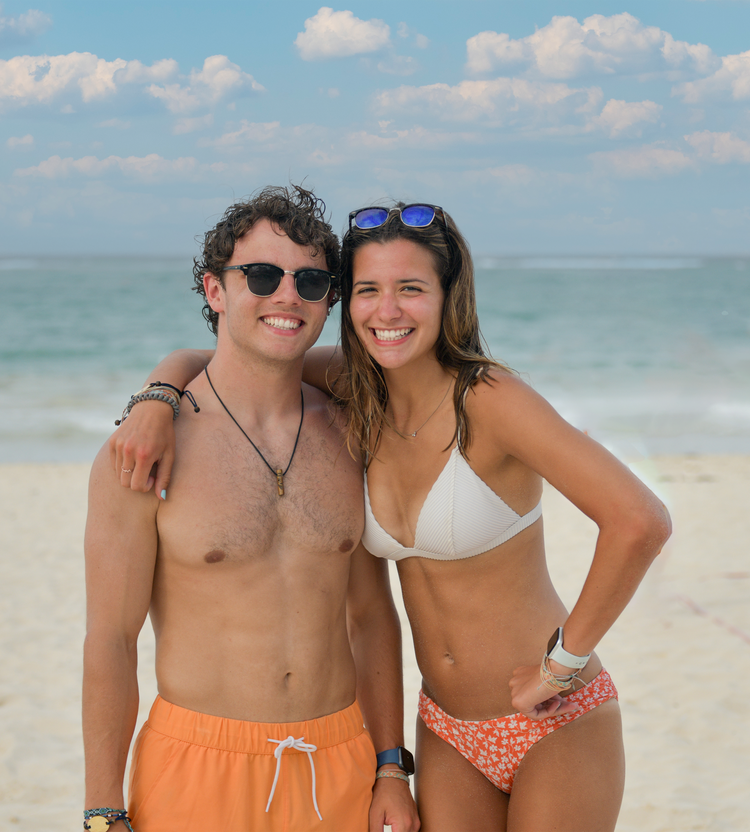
column 391, row 334
column 282, row 323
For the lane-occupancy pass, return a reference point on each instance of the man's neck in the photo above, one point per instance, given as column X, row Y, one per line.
column 258, row 390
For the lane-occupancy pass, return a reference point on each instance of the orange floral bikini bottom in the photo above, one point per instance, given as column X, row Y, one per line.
column 497, row 746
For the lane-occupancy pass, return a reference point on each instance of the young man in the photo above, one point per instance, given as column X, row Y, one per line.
column 269, row 615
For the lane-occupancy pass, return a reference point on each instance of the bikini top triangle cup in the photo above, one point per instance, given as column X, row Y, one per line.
column 461, row 517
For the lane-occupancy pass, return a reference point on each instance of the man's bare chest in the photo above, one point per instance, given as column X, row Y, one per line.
column 224, row 502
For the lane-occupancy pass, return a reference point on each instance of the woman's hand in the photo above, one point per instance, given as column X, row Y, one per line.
column 533, row 699
column 142, row 449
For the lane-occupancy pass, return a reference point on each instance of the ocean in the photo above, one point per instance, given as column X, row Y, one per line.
column 649, row 355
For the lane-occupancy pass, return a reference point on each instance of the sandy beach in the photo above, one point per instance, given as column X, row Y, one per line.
column 680, row 654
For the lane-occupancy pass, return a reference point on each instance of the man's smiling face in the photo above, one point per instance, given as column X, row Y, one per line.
column 281, row 327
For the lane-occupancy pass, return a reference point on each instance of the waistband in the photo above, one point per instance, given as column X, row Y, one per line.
column 598, row 690
column 252, row 737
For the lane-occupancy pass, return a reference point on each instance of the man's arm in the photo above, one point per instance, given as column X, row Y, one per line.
column 120, row 547
column 375, row 637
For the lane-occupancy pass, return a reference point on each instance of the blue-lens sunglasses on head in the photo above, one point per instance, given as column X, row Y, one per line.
column 417, row 215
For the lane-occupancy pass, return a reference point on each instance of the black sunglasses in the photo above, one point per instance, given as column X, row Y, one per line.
column 263, row 279
column 418, row 215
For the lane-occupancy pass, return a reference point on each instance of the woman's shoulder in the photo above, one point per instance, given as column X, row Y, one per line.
column 503, row 401
column 498, row 385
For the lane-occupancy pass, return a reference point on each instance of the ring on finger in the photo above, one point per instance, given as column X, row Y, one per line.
column 127, row 470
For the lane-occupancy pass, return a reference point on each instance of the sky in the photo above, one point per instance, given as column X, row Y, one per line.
column 542, row 127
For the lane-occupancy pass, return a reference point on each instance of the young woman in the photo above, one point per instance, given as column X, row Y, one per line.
column 519, row 726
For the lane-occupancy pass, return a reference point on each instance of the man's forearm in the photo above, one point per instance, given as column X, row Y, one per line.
column 376, row 646
column 110, row 710
column 180, row 367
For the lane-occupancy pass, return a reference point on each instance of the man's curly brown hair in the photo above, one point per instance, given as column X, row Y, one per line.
column 296, row 211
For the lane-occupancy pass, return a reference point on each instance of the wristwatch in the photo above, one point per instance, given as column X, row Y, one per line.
column 401, row 756
column 558, row 653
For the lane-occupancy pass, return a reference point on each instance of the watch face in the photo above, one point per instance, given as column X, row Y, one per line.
column 407, row 760
column 554, row 641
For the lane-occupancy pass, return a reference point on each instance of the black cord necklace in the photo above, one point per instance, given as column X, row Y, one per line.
column 278, row 473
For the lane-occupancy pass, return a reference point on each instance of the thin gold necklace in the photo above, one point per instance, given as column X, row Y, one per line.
column 278, row 473
column 433, row 412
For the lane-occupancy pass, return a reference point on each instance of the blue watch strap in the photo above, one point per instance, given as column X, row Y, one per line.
column 392, row 755
column 401, row 756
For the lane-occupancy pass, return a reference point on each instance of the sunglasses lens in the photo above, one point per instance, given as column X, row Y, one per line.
column 263, row 279
column 313, row 284
column 418, row 216
column 370, row 217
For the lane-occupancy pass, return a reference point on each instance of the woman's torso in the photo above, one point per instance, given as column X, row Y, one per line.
column 474, row 619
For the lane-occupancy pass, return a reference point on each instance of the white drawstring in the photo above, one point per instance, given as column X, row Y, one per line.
column 300, row 745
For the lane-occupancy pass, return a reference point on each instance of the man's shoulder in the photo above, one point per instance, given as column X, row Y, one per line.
column 328, row 417
column 106, row 492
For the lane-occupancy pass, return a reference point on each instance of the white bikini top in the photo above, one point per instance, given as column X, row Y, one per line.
column 460, row 517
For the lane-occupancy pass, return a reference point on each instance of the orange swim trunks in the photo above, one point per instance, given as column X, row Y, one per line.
column 198, row 773
column 497, row 746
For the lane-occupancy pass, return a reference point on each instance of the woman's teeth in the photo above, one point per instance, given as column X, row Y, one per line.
column 391, row 334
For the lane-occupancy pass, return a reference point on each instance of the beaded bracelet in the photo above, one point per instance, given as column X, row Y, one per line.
column 556, row 682
column 158, row 391
column 108, row 817
column 396, row 775
column 155, row 394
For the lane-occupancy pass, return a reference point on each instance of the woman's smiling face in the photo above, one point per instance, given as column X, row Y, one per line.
column 397, row 302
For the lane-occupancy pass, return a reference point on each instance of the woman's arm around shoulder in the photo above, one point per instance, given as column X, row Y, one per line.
column 146, row 438
column 323, row 367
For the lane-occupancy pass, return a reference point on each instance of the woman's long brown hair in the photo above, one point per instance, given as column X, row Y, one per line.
column 361, row 388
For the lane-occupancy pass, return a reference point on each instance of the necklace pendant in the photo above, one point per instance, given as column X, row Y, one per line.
column 414, row 434
column 280, row 481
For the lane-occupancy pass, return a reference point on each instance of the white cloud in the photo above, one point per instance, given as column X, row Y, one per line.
column 330, row 34
column 24, row 142
column 731, row 79
column 26, row 80
column 190, row 125
column 508, row 100
column 420, row 41
column 719, row 147
column 618, row 117
column 398, row 65
column 218, row 79
column 148, row 167
column 24, row 27
column 565, row 48
column 415, row 137
column 251, row 142
column 649, row 161
column 248, row 133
